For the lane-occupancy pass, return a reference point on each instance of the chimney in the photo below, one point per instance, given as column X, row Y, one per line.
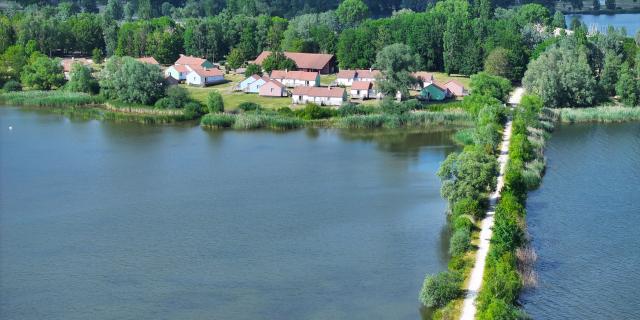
column 370, row 69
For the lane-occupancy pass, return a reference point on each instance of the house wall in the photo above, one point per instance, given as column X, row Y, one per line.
column 359, row 94
column 194, row 79
column 254, row 87
column 270, row 90
column 323, row 101
column 299, row 83
column 245, row 83
column 175, row 74
column 214, row 79
column 344, row 81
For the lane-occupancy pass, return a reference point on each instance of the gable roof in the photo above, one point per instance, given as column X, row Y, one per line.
column 361, row 85
column 423, row 76
column 67, row 63
column 453, row 83
column 149, row 60
column 181, row 68
column 275, row 83
column 329, row 92
column 190, row 60
column 434, row 85
column 346, row 74
column 295, row 75
column 208, row 72
column 316, row 61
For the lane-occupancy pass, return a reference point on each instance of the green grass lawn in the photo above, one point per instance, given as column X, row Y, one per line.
column 327, row 79
column 443, row 77
column 233, row 99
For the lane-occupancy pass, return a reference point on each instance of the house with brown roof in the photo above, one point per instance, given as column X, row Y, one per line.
column 313, row 62
column 273, row 88
column 324, row 96
column 456, row 88
column 204, row 77
column 296, row 78
column 363, row 90
column 424, row 79
column 347, row 77
column 67, row 63
column 148, row 60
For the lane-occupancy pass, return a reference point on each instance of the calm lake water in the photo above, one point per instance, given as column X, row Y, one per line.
column 585, row 221
column 105, row 220
column 630, row 21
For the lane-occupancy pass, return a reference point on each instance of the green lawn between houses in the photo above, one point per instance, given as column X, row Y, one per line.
column 233, row 99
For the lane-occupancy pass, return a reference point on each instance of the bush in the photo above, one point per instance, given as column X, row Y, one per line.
column 350, row 109
column 500, row 310
column 253, row 69
column 389, row 106
column 12, row 86
column 249, row 106
column 438, row 290
column 193, row 110
column 313, row 112
column 462, row 223
column 215, row 103
column 485, row 84
column 467, row 206
column 464, row 136
column 459, row 243
column 81, row 80
column 285, row 111
column 132, row 81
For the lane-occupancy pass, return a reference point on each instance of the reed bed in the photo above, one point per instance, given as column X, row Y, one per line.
column 249, row 121
column 597, row 114
column 50, row 98
column 418, row 119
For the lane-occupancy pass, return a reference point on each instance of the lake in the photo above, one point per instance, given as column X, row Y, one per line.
column 630, row 21
column 104, row 220
column 584, row 221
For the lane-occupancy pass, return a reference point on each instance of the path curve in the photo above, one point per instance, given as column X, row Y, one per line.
column 486, row 227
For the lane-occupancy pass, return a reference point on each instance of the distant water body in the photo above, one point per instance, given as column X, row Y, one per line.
column 585, row 225
column 103, row 220
column 630, row 21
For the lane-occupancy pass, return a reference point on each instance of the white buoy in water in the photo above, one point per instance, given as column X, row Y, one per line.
column 10, row 128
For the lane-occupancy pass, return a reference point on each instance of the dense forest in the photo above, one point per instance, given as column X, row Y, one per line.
column 454, row 36
column 281, row 8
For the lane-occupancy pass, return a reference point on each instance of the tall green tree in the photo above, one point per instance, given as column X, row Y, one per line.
column 397, row 62
column 114, row 10
column 497, row 63
column 609, row 74
column 132, row 81
column 558, row 20
column 7, row 34
column 352, row 12
column 628, row 86
column 144, row 9
column 12, row 61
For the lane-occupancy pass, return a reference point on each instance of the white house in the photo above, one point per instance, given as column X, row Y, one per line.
column 204, row 77
column 244, row 84
column 273, row 88
column 296, row 78
column 347, row 77
column 178, row 72
column 363, row 90
column 254, row 87
column 324, row 96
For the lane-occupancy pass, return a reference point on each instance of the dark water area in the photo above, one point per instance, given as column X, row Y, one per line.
column 585, row 225
column 103, row 220
column 630, row 21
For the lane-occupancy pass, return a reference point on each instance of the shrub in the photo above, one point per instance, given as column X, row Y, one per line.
column 12, row 86
column 249, row 106
column 193, row 110
column 285, row 111
column 467, row 206
column 464, row 136
column 483, row 83
column 253, row 69
column 313, row 112
column 459, row 243
column 438, row 290
column 132, row 81
column 462, row 223
column 498, row 309
column 350, row 109
column 389, row 106
column 215, row 103
column 81, row 80
column 218, row 120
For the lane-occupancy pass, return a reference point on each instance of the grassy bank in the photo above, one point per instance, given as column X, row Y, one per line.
column 595, row 114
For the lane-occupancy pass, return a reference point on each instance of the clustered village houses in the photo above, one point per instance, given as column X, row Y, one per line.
column 302, row 85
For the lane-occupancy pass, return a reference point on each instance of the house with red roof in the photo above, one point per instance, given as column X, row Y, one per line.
column 194, row 62
column 424, row 79
column 347, row 77
column 312, row 62
column 194, row 71
column 178, row 72
column 324, row 96
column 363, row 90
column 296, row 78
column 456, row 88
column 67, row 63
column 273, row 88
column 149, row 60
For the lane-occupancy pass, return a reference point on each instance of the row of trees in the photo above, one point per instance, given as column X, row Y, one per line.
column 452, row 36
column 580, row 71
column 204, row 8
